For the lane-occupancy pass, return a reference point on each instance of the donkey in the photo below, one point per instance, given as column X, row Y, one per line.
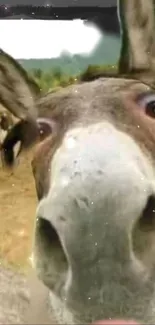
column 94, row 170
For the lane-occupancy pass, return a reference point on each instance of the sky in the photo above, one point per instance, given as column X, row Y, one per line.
column 24, row 39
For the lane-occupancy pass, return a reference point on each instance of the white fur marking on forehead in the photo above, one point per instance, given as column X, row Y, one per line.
column 86, row 143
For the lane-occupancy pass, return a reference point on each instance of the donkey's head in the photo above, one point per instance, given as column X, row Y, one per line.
column 94, row 241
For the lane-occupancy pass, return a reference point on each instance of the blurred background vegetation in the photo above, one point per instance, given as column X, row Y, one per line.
column 56, row 78
column 67, row 68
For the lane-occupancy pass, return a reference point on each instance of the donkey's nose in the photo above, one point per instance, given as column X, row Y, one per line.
column 99, row 166
column 98, row 174
column 101, row 189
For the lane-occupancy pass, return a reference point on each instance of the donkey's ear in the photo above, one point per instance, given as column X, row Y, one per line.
column 17, row 89
column 26, row 133
column 138, row 40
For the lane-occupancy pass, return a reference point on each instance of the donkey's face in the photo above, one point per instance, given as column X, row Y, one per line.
column 94, row 242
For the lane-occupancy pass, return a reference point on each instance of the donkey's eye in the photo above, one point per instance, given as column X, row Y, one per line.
column 150, row 108
column 147, row 102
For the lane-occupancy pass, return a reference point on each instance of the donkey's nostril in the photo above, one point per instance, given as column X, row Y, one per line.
column 48, row 237
column 143, row 235
column 49, row 254
column 147, row 220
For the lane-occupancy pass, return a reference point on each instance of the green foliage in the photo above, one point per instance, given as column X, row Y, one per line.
column 97, row 70
column 62, row 71
column 52, row 79
column 55, row 79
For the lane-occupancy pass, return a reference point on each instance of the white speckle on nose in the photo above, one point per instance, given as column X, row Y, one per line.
column 70, row 142
column 65, row 181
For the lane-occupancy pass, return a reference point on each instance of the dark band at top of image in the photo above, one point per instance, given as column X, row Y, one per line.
column 61, row 3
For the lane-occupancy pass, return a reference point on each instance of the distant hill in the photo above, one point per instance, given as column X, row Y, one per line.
column 106, row 52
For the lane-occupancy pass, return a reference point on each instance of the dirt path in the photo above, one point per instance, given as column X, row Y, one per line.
column 17, row 213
